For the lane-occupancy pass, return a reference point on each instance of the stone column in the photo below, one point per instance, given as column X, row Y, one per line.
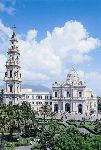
column 52, row 106
column 71, row 103
column 59, row 106
column 64, row 106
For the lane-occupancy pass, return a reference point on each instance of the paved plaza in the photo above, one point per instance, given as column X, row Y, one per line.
column 68, row 116
column 23, row 148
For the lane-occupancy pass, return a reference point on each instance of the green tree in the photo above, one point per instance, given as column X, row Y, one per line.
column 45, row 111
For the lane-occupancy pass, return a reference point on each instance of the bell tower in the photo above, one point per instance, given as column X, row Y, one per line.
column 12, row 74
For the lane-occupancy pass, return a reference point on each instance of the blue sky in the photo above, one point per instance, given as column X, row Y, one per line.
column 45, row 15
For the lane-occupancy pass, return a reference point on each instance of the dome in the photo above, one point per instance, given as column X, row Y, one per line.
column 72, row 77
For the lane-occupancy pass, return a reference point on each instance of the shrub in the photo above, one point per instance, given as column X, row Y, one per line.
column 36, row 147
column 10, row 146
column 23, row 142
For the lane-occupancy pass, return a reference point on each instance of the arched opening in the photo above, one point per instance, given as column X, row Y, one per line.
column 56, row 108
column 80, row 108
column 67, row 107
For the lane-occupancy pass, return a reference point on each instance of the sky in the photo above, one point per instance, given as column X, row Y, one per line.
column 53, row 36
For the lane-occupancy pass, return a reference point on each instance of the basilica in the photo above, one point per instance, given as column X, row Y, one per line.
column 72, row 96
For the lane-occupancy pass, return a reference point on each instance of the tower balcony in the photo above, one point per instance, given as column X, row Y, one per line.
column 13, row 39
column 13, row 63
column 14, row 79
column 12, row 50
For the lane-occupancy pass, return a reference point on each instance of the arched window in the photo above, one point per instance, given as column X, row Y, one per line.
column 55, row 94
column 10, row 73
column 11, row 87
column 68, row 94
column 80, row 108
column 80, row 94
column 56, row 108
column 91, row 95
column 17, row 59
column 67, row 107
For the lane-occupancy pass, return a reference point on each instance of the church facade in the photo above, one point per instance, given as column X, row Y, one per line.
column 72, row 96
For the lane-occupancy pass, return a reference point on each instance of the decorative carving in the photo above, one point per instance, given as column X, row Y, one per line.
column 5, row 74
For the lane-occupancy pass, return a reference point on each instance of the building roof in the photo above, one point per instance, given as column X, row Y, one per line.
column 29, row 91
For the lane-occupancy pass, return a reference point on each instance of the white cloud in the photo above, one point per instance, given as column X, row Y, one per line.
column 93, row 80
column 8, row 9
column 31, row 35
column 2, row 66
column 46, row 60
column 5, row 33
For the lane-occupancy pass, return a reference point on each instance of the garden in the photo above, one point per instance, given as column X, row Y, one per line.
column 93, row 126
column 20, row 127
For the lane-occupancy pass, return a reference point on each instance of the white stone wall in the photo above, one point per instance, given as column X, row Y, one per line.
column 36, row 99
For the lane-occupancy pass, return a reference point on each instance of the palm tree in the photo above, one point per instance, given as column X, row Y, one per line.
column 52, row 115
column 45, row 111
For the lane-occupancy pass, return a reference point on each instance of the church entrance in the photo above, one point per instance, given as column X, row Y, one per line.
column 67, row 107
column 80, row 108
column 56, row 108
